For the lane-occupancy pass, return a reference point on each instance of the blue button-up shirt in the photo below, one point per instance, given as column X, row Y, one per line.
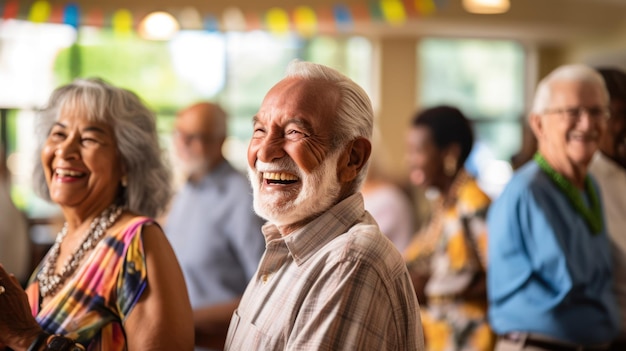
column 547, row 273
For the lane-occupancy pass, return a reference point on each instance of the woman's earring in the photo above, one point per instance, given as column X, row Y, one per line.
column 124, row 181
column 449, row 166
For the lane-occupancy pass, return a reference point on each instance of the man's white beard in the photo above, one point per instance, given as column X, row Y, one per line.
column 318, row 192
column 192, row 166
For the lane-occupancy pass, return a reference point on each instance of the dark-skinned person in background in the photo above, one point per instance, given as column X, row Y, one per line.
column 446, row 258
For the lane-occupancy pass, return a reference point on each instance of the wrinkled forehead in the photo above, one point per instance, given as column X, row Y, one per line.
column 579, row 92
column 197, row 119
column 313, row 96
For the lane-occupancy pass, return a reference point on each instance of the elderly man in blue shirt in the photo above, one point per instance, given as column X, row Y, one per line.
column 549, row 263
column 212, row 225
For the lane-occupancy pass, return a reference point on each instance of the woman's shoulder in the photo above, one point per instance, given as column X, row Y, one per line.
column 130, row 224
column 472, row 197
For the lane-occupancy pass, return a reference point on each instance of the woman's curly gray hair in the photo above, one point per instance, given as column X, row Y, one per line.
column 148, row 190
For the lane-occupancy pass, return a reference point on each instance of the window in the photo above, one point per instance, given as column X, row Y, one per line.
column 235, row 69
column 484, row 79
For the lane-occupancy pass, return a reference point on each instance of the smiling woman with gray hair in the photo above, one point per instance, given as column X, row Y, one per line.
column 111, row 280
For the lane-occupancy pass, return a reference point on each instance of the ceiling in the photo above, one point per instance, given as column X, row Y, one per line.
column 536, row 20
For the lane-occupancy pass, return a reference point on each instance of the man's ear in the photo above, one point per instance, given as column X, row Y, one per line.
column 453, row 151
column 124, row 175
column 354, row 157
column 536, row 124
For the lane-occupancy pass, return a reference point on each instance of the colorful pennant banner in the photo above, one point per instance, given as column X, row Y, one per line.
column 71, row 15
column 40, row 11
column 304, row 20
column 277, row 20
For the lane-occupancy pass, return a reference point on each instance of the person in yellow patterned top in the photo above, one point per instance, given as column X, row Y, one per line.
column 446, row 258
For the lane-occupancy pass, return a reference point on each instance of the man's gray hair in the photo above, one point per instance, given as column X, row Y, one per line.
column 149, row 179
column 355, row 116
column 565, row 73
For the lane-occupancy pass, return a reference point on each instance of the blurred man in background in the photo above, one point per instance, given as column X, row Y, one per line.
column 211, row 225
column 550, row 274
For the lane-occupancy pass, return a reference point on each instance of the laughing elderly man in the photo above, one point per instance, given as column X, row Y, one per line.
column 329, row 279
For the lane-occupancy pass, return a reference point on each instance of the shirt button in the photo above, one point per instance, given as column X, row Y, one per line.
column 265, row 278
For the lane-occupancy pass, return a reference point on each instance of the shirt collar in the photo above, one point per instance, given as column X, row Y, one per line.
column 304, row 242
column 216, row 175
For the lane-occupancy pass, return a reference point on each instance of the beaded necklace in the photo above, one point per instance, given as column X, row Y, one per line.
column 593, row 215
column 49, row 281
